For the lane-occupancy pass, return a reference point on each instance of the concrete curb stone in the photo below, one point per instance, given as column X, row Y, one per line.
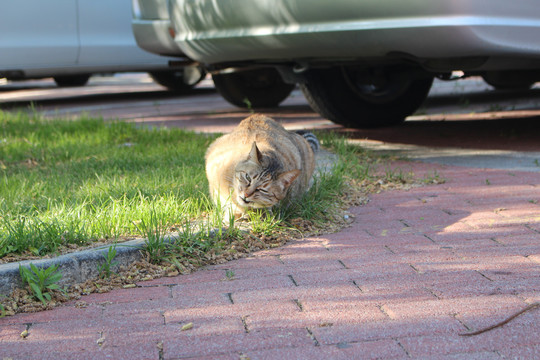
column 76, row 267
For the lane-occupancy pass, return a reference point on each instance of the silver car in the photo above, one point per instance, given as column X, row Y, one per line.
column 359, row 63
column 152, row 30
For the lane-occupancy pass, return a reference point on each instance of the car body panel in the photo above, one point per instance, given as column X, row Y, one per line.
column 290, row 30
column 108, row 43
column 151, row 25
column 22, row 43
column 70, row 37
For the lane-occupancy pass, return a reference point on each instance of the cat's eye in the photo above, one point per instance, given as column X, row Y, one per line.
column 262, row 191
column 244, row 178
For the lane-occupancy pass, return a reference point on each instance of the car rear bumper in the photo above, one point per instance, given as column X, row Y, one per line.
column 153, row 36
column 345, row 29
column 151, row 27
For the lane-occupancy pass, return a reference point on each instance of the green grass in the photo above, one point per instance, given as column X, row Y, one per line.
column 77, row 182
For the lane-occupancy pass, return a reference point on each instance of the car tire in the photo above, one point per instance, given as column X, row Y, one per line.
column 258, row 88
column 181, row 80
column 505, row 81
column 361, row 98
column 71, row 80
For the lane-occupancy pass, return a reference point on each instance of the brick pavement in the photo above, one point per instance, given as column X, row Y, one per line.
column 413, row 271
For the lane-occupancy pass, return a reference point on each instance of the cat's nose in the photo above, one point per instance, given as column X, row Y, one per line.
column 244, row 200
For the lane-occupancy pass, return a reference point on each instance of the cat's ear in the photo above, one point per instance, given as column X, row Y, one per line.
column 286, row 179
column 255, row 154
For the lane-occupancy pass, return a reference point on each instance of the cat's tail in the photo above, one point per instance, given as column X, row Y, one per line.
column 311, row 139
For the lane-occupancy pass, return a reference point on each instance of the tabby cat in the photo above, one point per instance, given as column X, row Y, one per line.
column 258, row 165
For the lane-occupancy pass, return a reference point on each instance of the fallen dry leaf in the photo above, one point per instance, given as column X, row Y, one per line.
column 326, row 324
column 187, row 326
column 100, row 341
column 81, row 304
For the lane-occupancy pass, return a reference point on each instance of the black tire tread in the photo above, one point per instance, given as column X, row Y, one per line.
column 328, row 94
column 71, row 80
column 173, row 82
column 236, row 90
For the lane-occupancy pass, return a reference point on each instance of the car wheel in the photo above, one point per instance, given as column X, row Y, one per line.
column 181, row 80
column 71, row 80
column 360, row 98
column 501, row 80
column 253, row 88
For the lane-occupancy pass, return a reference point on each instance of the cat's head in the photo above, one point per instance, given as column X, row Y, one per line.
column 258, row 184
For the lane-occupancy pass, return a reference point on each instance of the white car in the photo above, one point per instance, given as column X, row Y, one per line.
column 70, row 40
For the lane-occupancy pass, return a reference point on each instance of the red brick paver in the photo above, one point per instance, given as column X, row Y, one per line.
column 415, row 269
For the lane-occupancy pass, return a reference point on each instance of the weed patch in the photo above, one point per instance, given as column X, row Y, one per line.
column 105, row 269
column 41, row 281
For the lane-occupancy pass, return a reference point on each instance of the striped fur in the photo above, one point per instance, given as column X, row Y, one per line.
column 258, row 165
column 311, row 139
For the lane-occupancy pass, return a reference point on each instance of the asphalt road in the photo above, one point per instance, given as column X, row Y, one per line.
column 464, row 122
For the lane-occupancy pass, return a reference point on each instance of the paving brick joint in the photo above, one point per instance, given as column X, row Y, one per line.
column 414, row 270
